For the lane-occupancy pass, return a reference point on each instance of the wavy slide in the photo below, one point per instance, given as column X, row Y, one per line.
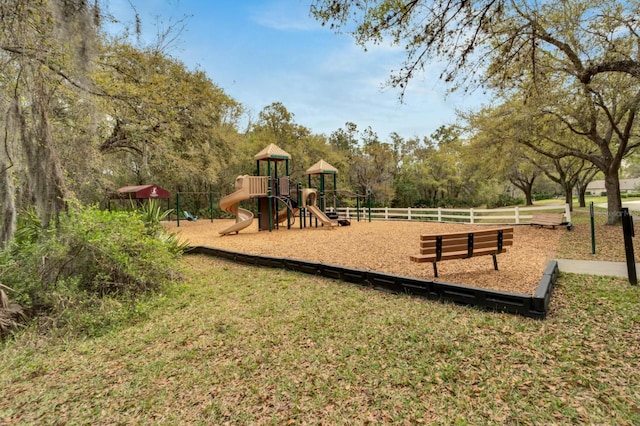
column 229, row 204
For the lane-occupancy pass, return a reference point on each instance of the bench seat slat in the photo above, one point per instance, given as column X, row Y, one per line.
column 430, row 257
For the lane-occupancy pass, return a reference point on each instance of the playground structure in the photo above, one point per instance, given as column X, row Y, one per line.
column 271, row 189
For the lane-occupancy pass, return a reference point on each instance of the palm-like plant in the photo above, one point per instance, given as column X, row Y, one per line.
column 152, row 214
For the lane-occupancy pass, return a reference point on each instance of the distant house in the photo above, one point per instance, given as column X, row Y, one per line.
column 596, row 187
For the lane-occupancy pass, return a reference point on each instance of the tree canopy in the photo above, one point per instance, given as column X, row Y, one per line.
column 581, row 52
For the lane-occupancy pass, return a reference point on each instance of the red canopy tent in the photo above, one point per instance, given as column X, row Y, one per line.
column 140, row 192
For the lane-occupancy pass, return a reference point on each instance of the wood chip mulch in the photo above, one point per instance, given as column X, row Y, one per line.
column 385, row 246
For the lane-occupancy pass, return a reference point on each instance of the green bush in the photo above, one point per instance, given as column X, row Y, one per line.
column 503, row 200
column 90, row 255
column 542, row 196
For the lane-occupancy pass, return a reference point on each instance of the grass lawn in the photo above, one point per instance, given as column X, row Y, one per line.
column 240, row 345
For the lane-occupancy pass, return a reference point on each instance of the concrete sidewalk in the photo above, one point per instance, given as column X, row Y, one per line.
column 590, row 267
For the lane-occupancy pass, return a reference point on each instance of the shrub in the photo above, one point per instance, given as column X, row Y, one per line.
column 504, row 200
column 542, row 196
column 92, row 254
column 10, row 313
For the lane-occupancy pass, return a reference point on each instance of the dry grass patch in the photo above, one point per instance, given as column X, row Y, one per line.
column 244, row 345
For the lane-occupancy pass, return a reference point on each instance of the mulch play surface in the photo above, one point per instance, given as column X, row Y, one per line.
column 385, row 246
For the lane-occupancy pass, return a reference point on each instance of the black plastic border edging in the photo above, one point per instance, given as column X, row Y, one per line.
column 535, row 306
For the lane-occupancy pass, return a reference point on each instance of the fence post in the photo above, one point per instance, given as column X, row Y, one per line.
column 408, row 213
column 386, row 213
column 439, row 214
column 517, row 213
column 471, row 219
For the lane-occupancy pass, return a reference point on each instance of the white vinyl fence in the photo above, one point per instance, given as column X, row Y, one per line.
column 511, row 215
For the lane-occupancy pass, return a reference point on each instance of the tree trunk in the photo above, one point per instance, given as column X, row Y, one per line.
column 528, row 196
column 582, row 190
column 527, row 190
column 568, row 195
column 9, row 216
column 614, row 201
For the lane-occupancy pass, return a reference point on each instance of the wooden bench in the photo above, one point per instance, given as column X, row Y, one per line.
column 463, row 245
column 547, row 219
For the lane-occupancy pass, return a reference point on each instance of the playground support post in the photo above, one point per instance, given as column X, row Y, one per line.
column 299, row 201
column 269, row 204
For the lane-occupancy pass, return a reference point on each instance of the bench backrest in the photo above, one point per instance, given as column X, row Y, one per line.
column 547, row 217
column 470, row 241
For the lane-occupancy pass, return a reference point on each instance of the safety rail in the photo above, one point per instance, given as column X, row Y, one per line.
column 258, row 185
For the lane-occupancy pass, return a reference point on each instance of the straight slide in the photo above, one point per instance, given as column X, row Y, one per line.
column 321, row 216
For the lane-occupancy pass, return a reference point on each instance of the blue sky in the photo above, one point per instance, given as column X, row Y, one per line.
column 265, row 51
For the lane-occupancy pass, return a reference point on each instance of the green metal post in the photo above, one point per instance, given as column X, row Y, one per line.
column 211, row 205
column 269, row 207
column 275, row 175
column 300, row 209
column 178, row 208
column 286, row 168
column 335, row 192
column 322, row 201
column 257, row 199
column 593, row 231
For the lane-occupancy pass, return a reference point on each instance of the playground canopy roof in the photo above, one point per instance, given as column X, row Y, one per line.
column 138, row 192
column 272, row 152
column 321, row 168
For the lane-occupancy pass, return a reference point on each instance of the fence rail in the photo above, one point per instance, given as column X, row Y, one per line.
column 511, row 215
